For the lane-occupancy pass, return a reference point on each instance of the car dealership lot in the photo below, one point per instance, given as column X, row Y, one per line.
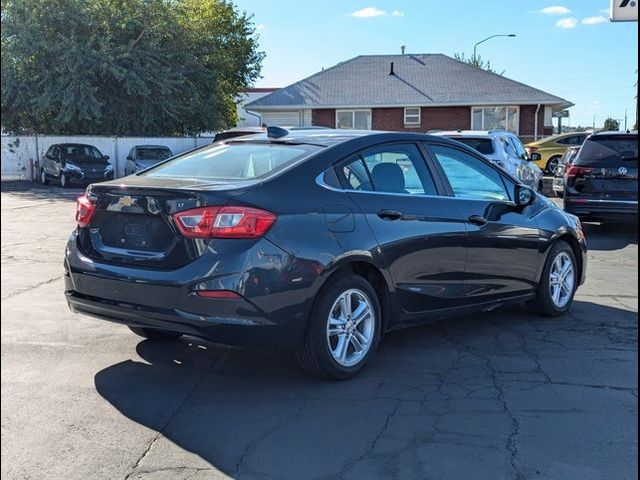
column 498, row 395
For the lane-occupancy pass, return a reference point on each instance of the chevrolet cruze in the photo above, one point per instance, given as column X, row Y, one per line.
column 318, row 241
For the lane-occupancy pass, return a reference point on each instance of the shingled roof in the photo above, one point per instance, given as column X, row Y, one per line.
column 418, row 80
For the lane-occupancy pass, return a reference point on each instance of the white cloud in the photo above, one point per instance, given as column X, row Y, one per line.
column 369, row 12
column 569, row 22
column 261, row 26
column 397, row 13
column 555, row 10
column 594, row 20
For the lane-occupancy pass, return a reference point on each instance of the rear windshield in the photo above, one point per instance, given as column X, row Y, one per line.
column 234, row 161
column 608, row 150
column 482, row 145
column 153, row 153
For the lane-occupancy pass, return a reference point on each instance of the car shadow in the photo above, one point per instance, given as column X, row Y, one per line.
column 254, row 414
column 36, row 191
column 608, row 236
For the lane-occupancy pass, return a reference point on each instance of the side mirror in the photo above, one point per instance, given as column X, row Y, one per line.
column 524, row 196
column 129, row 157
column 534, row 157
column 105, row 157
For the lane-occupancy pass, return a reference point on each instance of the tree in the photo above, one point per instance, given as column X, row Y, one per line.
column 611, row 125
column 477, row 62
column 124, row 67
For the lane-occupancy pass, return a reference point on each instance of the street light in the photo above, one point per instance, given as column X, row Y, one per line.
column 489, row 38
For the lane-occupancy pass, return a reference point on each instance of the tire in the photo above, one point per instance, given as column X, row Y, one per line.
column 320, row 350
column 64, row 183
column 552, row 164
column 547, row 303
column 153, row 334
column 44, row 180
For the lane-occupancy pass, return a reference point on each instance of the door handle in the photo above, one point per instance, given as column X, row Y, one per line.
column 477, row 220
column 389, row 214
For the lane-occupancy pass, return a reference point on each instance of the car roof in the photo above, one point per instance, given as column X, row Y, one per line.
column 471, row 133
column 151, row 146
column 614, row 133
column 326, row 137
column 75, row 145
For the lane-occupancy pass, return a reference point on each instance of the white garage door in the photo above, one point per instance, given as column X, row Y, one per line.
column 287, row 118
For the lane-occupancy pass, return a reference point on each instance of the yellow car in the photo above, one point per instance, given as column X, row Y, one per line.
column 549, row 150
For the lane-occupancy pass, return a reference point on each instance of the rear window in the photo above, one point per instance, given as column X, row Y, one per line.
column 482, row 145
column 231, row 161
column 608, row 150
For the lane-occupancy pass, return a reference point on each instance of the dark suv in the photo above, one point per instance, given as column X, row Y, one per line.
column 602, row 181
column 68, row 163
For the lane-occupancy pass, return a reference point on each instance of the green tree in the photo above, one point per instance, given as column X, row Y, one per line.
column 124, row 67
column 477, row 62
column 611, row 125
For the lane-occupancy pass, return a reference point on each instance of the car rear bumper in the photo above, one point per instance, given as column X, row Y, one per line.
column 272, row 310
column 587, row 207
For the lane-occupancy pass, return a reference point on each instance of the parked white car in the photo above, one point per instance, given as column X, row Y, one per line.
column 504, row 149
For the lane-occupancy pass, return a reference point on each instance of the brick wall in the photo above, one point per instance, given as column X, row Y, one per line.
column 323, row 117
column 527, row 125
column 433, row 118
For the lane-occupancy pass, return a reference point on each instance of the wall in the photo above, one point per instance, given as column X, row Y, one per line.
column 18, row 151
column 245, row 118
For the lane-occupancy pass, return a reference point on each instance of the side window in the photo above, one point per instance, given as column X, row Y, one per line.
column 356, row 175
column 573, row 140
column 390, row 169
column 468, row 176
column 520, row 150
column 55, row 154
column 49, row 152
column 509, row 147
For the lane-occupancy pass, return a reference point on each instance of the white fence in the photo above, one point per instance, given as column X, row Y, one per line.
column 20, row 152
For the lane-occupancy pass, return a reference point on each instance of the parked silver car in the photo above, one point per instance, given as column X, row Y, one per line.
column 504, row 149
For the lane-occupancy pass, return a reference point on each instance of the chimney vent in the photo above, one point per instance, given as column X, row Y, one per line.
column 391, row 72
column 402, row 49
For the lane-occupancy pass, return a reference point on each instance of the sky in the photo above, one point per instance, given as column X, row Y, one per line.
column 567, row 48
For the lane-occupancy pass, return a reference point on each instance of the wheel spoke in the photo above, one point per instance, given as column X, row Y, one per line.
column 361, row 313
column 556, row 294
column 345, row 305
column 343, row 347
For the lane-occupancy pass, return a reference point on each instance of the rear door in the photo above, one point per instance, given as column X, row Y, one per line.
column 421, row 235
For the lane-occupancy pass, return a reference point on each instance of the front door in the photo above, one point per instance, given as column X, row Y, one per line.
column 421, row 237
column 503, row 239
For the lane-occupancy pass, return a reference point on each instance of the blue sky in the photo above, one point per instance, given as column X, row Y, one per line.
column 567, row 48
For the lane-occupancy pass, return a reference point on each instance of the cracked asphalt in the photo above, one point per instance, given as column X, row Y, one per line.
column 502, row 395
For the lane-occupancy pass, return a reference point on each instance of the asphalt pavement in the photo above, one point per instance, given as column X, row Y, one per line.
column 502, row 395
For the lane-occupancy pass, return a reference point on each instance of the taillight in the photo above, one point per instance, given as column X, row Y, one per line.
column 224, row 222
column 575, row 170
column 84, row 211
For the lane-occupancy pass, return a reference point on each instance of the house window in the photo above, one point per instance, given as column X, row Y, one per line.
column 412, row 116
column 495, row 118
column 353, row 119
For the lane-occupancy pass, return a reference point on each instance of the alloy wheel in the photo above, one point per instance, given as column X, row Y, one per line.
column 562, row 280
column 350, row 327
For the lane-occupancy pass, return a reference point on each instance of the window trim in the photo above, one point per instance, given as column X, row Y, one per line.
column 482, row 107
column 353, row 118
column 412, row 124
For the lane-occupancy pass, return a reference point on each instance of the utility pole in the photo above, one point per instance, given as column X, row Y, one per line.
column 625, row 119
column 594, row 123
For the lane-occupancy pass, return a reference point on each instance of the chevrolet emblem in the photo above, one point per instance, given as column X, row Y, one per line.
column 126, row 201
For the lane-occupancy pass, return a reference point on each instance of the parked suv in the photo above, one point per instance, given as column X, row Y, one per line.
column 69, row 163
column 145, row 156
column 602, row 181
column 504, row 149
column 552, row 148
column 558, row 178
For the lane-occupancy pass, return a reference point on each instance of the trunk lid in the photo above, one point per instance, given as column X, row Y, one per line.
column 133, row 223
